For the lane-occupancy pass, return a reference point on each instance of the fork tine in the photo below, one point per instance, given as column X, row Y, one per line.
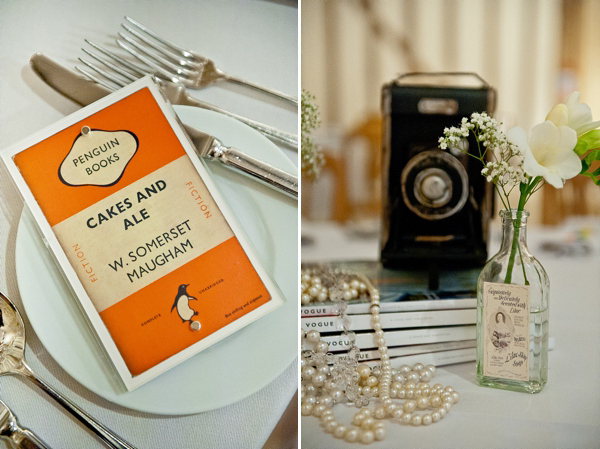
column 109, row 64
column 96, row 79
column 158, row 69
column 176, row 58
column 130, row 65
column 207, row 73
column 177, row 69
column 176, row 48
column 104, row 73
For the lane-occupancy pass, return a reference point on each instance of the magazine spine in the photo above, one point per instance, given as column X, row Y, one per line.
column 434, row 358
column 402, row 351
column 397, row 320
column 338, row 342
column 328, row 309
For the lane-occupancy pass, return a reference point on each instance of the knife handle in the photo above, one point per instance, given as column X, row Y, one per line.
column 25, row 439
column 270, row 175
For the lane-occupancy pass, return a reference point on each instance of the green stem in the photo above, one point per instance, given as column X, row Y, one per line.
column 522, row 265
column 506, row 196
column 506, row 206
column 526, row 190
column 515, row 241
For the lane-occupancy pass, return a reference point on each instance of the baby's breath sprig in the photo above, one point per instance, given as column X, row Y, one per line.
column 505, row 169
column 311, row 154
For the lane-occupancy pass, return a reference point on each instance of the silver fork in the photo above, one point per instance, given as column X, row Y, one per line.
column 118, row 72
column 193, row 70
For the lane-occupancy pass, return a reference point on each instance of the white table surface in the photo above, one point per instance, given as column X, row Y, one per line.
column 256, row 40
column 564, row 415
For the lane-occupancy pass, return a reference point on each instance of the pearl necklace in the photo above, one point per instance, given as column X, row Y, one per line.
column 323, row 386
column 349, row 286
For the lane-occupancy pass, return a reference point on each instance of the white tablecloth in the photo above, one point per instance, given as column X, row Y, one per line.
column 256, row 40
column 564, row 415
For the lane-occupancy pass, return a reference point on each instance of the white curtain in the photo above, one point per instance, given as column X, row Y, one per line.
column 533, row 52
column 512, row 44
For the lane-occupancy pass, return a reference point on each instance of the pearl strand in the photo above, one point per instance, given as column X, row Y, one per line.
column 314, row 289
column 319, row 393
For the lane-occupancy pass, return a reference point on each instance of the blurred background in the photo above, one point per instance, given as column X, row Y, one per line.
column 533, row 52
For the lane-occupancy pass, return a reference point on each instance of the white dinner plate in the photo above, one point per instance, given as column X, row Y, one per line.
column 230, row 370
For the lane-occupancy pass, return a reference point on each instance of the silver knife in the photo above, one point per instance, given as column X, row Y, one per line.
column 16, row 435
column 83, row 91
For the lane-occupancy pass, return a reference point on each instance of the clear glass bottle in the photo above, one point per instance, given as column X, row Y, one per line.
column 512, row 345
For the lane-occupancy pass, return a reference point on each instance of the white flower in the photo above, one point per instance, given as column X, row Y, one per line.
column 548, row 152
column 574, row 115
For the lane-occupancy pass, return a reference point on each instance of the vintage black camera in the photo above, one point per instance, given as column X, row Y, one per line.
column 436, row 203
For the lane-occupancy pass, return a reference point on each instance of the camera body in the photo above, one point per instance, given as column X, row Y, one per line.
column 437, row 205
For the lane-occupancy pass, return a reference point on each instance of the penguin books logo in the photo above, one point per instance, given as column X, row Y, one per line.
column 98, row 157
column 182, row 305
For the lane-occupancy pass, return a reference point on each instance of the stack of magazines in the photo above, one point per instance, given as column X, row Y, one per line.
column 420, row 325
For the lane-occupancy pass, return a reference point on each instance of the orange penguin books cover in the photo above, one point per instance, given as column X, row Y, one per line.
column 155, row 259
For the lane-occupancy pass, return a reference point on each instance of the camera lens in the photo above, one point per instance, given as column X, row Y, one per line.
column 434, row 185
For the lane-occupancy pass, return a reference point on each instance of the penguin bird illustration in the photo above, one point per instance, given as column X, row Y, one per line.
column 185, row 312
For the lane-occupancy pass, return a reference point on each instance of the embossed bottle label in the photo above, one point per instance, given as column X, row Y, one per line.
column 506, row 331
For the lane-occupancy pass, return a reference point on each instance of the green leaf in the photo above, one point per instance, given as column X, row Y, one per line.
column 594, row 176
column 587, row 141
column 581, row 148
column 595, row 179
column 587, row 161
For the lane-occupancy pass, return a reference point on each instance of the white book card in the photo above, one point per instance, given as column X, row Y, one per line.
column 158, row 263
